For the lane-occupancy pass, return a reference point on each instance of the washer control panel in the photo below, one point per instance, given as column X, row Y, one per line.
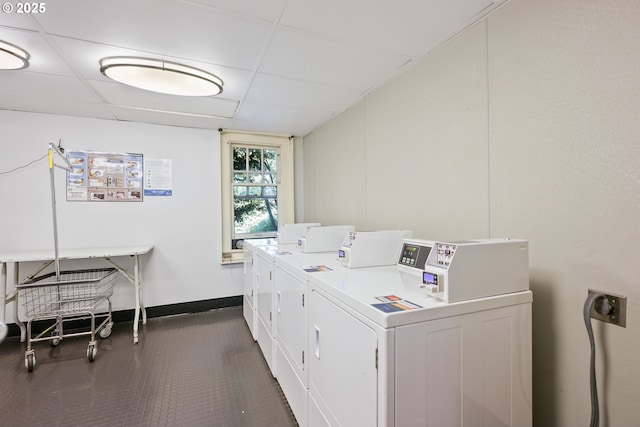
column 414, row 255
column 445, row 252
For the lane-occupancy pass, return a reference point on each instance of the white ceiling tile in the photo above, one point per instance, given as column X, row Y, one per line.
column 305, row 57
column 163, row 27
column 165, row 118
column 408, row 27
column 55, row 106
column 14, row 19
column 268, row 10
column 44, row 86
column 268, row 89
column 42, row 57
column 118, row 94
column 277, row 119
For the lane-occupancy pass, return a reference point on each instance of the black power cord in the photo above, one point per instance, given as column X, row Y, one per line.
column 601, row 303
column 23, row 166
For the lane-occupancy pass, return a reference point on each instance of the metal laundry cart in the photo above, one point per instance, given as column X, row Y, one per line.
column 65, row 296
column 74, row 295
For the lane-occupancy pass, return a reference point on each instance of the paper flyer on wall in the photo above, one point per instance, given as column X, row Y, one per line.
column 101, row 177
column 158, row 176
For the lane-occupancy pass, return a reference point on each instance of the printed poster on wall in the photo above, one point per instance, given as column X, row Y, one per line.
column 104, row 177
column 158, row 176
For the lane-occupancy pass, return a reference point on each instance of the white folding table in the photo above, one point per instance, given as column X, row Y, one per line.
column 48, row 257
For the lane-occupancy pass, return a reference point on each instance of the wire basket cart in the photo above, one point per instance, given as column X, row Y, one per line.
column 63, row 297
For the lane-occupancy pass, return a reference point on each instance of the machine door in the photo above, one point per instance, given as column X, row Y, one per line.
column 291, row 319
column 466, row 370
column 342, row 365
column 248, row 302
column 264, row 288
column 248, row 276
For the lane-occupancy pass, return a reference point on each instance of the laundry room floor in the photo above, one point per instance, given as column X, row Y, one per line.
column 201, row 369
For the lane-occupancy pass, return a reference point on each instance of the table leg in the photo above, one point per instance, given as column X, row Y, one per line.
column 142, row 309
column 3, row 289
column 136, row 279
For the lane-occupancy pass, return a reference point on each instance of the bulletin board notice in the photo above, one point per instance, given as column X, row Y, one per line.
column 104, row 177
column 158, row 177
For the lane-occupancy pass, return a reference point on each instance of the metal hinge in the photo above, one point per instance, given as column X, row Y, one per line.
column 376, row 358
column 270, row 319
column 303, row 357
column 303, row 300
column 269, row 275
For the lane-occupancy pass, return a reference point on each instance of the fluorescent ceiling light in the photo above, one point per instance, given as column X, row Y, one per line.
column 161, row 76
column 12, row 57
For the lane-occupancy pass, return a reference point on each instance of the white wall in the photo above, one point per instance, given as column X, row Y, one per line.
column 335, row 163
column 298, row 177
column 184, row 228
column 526, row 125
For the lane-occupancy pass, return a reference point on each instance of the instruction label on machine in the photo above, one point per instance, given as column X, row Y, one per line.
column 316, row 268
column 392, row 303
column 101, row 177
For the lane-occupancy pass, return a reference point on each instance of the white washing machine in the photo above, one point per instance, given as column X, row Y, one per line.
column 323, row 239
column 264, row 270
column 385, row 351
column 249, row 306
column 287, row 234
column 291, row 306
column 291, row 289
column 315, row 238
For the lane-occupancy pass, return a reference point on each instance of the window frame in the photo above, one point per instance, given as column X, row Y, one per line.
column 250, row 186
column 286, row 197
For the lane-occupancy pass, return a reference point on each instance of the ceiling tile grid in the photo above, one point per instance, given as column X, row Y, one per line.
column 287, row 65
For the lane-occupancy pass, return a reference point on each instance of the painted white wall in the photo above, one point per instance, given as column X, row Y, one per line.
column 336, row 163
column 426, row 146
column 526, row 125
column 184, row 228
column 298, row 177
column 564, row 79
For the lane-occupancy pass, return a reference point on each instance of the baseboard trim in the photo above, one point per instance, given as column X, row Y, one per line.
column 122, row 316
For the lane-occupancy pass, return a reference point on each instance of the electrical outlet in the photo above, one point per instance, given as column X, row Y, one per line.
column 614, row 312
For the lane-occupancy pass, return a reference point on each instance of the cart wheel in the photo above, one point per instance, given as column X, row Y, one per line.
column 55, row 340
column 106, row 331
column 91, row 352
column 30, row 361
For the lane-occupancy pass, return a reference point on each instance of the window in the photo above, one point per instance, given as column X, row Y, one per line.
column 257, row 188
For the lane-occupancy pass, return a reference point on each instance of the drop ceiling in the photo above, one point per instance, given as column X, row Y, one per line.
column 288, row 66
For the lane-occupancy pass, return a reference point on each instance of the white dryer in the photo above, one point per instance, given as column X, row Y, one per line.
column 287, row 234
column 315, row 239
column 249, row 294
column 291, row 290
column 405, row 358
column 264, row 269
column 291, row 306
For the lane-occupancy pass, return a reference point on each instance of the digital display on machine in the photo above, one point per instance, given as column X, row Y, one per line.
column 340, row 253
column 429, row 278
column 414, row 255
column 409, row 255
